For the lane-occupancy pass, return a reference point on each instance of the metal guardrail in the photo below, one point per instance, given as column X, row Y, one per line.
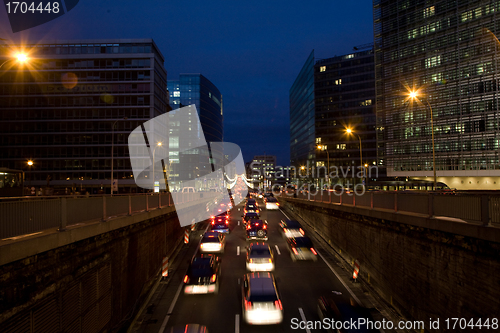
column 24, row 216
column 470, row 208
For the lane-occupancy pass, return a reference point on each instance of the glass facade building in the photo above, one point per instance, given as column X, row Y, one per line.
column 302, row 135
column 65, row 108
column 449, row 51
column 344, row 88
column 195, row 89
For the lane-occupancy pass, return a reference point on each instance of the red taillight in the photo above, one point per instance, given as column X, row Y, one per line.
column 201, row 245
column 257, row 211
column 213, row 222
column 277, row 204
column 295, row 251
column 212, row 279
column 314, row 251
column 278, row 305
column 270, row 260
column 248, row 226
column 284, row 230
column 301, row 231
column 248, row 305
column 265, row 227
column 186, row 279
column 256, row 224
column 227, row 222
column 251, row 261
column 212, row 217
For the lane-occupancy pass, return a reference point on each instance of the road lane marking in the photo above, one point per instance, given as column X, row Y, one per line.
column 237, row 250
column 304, row 319
column 334, row 272
column 238, row 222
column 341, row 280
column 167, row 317
column 277, row 249
column 237, row 324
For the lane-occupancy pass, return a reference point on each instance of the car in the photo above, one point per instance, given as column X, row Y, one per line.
column 291, row 228
column 260, row 257
column 267, row 195
column 202, row 276
column 251, row 208
column 249, row 217
column 301, row 248
column 256, row 229
column 335, row 308
column 220, row 223
column 251, row 202
column 213, row 242
column 260, row 300
column 272, row 204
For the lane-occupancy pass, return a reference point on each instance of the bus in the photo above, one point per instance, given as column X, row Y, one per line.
column 11, row 182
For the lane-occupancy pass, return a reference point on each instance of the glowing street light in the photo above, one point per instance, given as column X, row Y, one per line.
column 19, row 57
column 30, row 163
column 350, row 131
column 413, row 94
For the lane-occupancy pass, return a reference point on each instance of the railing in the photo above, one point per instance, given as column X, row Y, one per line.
column 22, row 216
column 468, row 208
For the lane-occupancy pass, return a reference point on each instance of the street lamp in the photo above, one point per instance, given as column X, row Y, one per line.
column 350, row 131
column 154, row 149
column 325, row 148
column 20, row 57
column 30, row 163
column 112, row 150
column 414, row 96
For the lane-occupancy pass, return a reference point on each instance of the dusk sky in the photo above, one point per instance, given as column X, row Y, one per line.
column 252, row 51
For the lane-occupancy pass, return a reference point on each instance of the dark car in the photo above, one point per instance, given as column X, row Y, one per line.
column 291, row 228
column 251, row 208
column 301, row 248
column 256, row 229
column 251, row 202
column 250, row 217
column 220, row 223
column 202, row 276
column 335, row 308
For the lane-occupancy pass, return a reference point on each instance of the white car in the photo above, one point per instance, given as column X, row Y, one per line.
column 261, row 302
column 213, row 242
column 272, row 204
column 260, row 258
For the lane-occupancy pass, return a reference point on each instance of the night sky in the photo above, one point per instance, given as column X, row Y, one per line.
column 251, row 50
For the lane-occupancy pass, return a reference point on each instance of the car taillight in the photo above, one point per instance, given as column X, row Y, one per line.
column 270, row 261
column 248, row 305
column 213, row 222
column 265, row 227
column 277, row 204
column 301, row 231
column 256, row 224
column 227, row 222
column 248, row 226
column 314, row 251
column 278, row 305
column 284, row 230
column 295, row 251
column 257, row 211
column 186, row 279
column 212, row 217
column 251, row 261
column 212, row 279
column 201, row 245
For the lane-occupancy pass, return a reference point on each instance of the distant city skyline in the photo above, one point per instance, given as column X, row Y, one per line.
column 251, row 52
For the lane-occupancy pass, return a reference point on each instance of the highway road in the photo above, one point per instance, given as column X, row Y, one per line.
column 300, row 285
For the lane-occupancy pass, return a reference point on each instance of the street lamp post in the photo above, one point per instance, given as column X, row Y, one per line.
column 414, row 95
column 112, row 150
column 30, row 163
column 154, row 149
column 349, row 131
column 325, row 148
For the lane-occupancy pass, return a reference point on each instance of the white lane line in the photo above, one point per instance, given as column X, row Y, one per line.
column 341, row 280
column 304, row 319
column 284, row 214
column 237, row 324
column 238, row 222
column 167, row 317
column 237, row 250
column 334, row 272
column 277, row 249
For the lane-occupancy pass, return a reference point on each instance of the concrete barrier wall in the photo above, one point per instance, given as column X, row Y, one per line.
column 86, row 279
column 424, row 272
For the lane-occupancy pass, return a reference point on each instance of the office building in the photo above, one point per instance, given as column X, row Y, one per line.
column 74, row 101
column 328, row 97
column 195, row 89
column 448, row 51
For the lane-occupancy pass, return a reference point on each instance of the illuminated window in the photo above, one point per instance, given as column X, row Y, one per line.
column 339, row 81
column 429, row 11
column 341, row 146
column 433, row 61
column 177, row 93
column 366, row 102
column 322, row 68
column 437, row 77
column 349, row 56
column 320, row 164
column 467, row 16
column 318, row 140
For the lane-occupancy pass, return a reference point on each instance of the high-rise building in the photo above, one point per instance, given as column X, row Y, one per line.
column 73, row 103
column 328, row 97
column 195, row 89
column 262, row 170
column 448, row 51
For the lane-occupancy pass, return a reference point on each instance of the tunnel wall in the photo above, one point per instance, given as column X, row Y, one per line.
column 93, row 282
column 425, row 267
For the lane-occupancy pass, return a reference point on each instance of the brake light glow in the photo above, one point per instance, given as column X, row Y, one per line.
column 212, row 279
column 264, row 227
column 227, row 222
column 284, row 230
column 278, row 305
column 277, row 204
column 201, row 245
column 295, row 251
column 301, row 231
column 186, row 279
column 270, row 261
column 248, row 305
column 256, row 224
column 213, row 222
column 314, row 251
column 248, row 226
column 251, row 261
